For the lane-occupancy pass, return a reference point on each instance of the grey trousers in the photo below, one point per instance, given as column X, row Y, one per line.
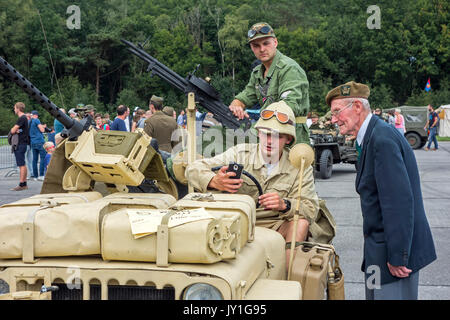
column 402, row 289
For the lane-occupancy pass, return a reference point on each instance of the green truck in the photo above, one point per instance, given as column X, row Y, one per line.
column 415, row 121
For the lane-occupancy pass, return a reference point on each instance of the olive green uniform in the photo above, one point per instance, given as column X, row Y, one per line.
column 285, row 80
column 283, row 179
column 160, row 126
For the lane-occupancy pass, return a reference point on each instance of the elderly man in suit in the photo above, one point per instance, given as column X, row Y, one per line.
column 397, row 237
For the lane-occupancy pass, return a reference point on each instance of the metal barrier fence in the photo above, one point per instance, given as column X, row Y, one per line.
column 8, row 160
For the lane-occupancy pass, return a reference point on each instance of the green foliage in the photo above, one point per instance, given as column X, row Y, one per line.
column 329, row 39
column 129, row 98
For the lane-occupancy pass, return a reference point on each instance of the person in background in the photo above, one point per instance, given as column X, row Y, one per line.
column 170, row 112
column 377, row 112
column 129, row 120
column 138, row 119
column 105, row 123
column 432, row 124
column 308, row 119
column 37, row 145
column 160, row 126
column 107, row 119
column 180, row 119
column 57, row 125
column 148, row 114
column 98, row 122
column 49, row 147
column 199, row 117
column 399, row 121
column 391, row 118
column 29, row 153
column 50, row 134
column 119, row 122
column 21, row 129
column 73, row 113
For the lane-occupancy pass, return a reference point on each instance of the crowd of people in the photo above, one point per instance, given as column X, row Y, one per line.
column 30, row 146
column 33, row 150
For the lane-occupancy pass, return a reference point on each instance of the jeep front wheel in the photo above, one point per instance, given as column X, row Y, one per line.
column 326, row 164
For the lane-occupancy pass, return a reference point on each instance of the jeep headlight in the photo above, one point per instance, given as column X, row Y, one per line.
column 202, row 291
column 311, row 140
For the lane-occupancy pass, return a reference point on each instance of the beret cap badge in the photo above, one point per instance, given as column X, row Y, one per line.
column 345, row 90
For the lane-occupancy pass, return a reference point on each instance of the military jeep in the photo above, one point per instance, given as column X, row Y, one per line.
column 330, row 148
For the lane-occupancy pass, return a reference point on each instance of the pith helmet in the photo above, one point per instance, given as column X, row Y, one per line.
column 272, row 123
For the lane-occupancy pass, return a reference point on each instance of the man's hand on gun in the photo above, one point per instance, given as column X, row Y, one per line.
column 237, row 107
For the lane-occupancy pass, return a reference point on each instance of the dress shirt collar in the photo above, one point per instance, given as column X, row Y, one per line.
column 363, row 129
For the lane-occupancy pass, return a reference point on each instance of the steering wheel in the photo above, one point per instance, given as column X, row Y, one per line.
column 251, row 177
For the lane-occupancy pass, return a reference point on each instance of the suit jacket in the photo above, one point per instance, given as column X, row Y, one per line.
column 395, row 227
column 160, row 127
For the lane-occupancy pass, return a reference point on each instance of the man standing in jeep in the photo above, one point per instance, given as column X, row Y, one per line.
column 277, row 78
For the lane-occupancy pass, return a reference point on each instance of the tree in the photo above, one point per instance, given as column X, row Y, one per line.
column 233, row 40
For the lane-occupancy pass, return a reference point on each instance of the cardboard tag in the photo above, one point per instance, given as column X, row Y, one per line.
column 146, row 222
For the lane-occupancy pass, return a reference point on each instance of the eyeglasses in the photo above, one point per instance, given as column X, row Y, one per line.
column 281, row 117
column 336, row 113
column 262, row 30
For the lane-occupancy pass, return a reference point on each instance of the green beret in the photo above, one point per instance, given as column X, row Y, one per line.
column 260, row 30
column 168, row 110
column 351, row 89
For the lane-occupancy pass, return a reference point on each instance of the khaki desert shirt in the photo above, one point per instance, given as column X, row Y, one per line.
column 285, row 80
column 283, row 179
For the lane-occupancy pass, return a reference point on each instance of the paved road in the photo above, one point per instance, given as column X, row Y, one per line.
column 343, row 202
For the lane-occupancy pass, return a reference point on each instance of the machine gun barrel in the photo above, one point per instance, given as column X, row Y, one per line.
column 74, row 127
column 205, row 94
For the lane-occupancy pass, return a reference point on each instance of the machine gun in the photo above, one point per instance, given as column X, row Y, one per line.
column 73, row 128
column 119, row 159
column 205, row 94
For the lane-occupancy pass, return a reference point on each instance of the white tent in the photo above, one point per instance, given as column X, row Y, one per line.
column 444, row 124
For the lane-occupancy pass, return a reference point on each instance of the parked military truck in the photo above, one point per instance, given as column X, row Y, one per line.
column 415, row 121
column 331, row 148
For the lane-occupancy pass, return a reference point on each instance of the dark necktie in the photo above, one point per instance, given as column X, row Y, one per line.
column 358, row 149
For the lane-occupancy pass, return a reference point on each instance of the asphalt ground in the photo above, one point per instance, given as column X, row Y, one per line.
column 343, row 202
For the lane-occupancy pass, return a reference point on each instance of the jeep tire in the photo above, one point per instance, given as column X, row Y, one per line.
column 326, row 164
column 414, row 140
